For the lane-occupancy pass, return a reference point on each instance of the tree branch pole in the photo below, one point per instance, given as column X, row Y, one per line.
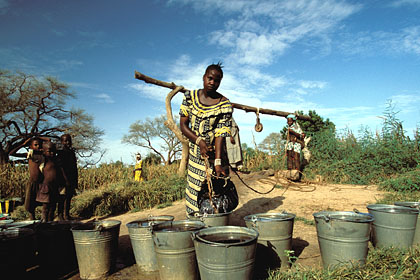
column 246, row 108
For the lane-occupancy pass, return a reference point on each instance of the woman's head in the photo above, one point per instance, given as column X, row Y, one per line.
column 212, row 77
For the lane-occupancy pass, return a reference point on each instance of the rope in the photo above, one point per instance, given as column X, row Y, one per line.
column 210, row 183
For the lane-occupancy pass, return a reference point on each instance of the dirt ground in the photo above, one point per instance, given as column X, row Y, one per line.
column 302, row 199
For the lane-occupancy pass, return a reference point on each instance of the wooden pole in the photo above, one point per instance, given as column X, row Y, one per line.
column 246, row 108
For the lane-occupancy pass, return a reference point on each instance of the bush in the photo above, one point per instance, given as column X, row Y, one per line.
column 406, row 182
column 128, row 195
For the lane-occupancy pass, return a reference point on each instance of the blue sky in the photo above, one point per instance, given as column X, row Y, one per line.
column 343, row 59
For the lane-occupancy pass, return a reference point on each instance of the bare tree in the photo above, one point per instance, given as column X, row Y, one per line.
column 34, row 106
column 150, row 133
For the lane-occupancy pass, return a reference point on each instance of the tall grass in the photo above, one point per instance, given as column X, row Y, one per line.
column 13, row 180
column 386, row 263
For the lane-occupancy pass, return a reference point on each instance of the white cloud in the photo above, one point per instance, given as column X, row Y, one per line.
column 105, row 98
column 260, row 31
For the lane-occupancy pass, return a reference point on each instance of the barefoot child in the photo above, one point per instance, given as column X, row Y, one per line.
column 35, row 158
column 67, row 156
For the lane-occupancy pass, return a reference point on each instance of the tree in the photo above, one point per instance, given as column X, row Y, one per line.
column 272, row 144
column 34, row 106
column 147, row 133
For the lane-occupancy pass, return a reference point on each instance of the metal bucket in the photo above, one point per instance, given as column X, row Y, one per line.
column 275, row 237
column 393, row 226
column 210, row 220
column 343, row 237
column 174, row 249
column 226, row 252
column 96, row 248
column 415, row 205
column 25, row 224
column 142, row 241
column 17, row 249
column 55, row 245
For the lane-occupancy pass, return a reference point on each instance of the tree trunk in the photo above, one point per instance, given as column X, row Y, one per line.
column 170, row 123
column 4, row 157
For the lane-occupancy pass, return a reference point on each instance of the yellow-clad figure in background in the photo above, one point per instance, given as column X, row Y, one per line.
column 137, row 172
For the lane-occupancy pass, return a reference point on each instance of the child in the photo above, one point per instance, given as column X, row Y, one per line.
column 137, row 172
column 48, row 190
column 35, row 158
column 67, row 156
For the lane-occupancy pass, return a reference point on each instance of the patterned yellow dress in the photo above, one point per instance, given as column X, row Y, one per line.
column 207, row 122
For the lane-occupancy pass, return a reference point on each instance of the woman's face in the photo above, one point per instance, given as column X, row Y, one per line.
column 289, row 121
column 211, row 80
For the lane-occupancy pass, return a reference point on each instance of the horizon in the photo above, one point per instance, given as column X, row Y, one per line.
column 343, row 59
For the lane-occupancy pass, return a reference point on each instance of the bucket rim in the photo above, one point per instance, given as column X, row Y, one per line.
column 197, row 214
column 411, row 204
column 152, row 220
column 15, row 233
column 342, row 215
column 161, row 226
column 196, row 235
column 395, row 209
column 269, row 217
column 97, row 226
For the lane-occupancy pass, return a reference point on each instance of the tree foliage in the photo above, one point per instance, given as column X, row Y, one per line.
column 154, row 135
column 33, row 106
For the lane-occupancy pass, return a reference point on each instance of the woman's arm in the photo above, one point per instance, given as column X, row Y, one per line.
column 218, row 142
column 186, row 130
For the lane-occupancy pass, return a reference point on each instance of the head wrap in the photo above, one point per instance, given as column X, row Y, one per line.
column 291, row 116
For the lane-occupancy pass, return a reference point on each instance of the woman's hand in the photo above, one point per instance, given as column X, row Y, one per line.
column 219, row 171
column 203, row 148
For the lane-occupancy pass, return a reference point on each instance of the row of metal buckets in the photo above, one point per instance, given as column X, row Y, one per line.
column 203, row 246
column 56, row 250
column 229, row 252
column 343, row 237
column 206, row 247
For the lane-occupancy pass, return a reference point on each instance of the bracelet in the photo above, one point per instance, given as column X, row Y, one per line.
column 197, row 141
column 217, row 162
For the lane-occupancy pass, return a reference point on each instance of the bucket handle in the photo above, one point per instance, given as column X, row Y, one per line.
column 356, row 211
column 99, row 227
column 254, row 220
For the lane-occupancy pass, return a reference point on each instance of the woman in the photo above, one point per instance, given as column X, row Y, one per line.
column 205, row 119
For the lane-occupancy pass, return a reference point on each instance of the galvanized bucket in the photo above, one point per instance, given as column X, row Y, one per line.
column 25, row 224
column 17, row 249
column 343, row 237
column 393, row 226
column 55, row 244
column 210, row 220
column 415, row 205
column 96, row 248
column 142, row 241
column 226, row 252
column 275, row 237
column 174, row 249
column 5, row 222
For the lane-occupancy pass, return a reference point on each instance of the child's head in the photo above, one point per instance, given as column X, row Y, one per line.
column 35, row 144
column 66, row 140
column 48, row 149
